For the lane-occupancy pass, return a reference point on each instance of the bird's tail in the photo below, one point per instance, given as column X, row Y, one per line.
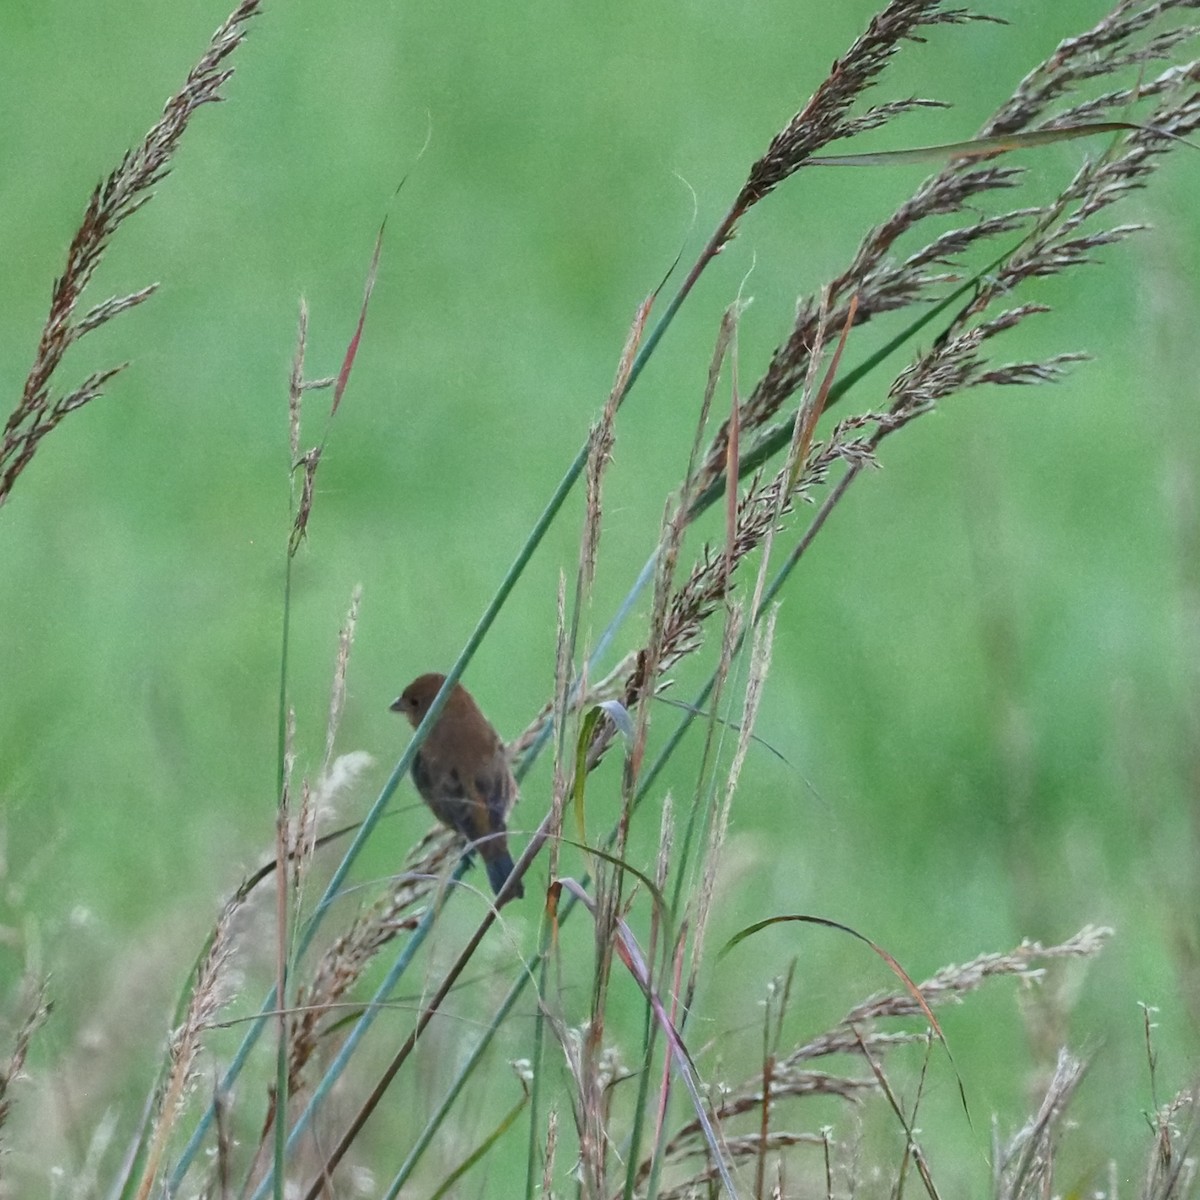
column 499, row 868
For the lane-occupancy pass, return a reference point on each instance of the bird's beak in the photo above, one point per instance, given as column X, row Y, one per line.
column 397, row 705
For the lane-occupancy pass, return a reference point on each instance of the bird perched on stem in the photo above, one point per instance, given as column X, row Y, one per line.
column 462, row 772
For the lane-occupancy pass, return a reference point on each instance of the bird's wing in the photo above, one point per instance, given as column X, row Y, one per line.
column 446, row 795
column 496, row 785
column 422, row 777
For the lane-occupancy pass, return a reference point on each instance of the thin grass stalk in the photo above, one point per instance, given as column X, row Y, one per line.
column 558, row 718
column 222, row 1169
column 206, row 998
column 607, row 911
column 476, row 1155
column 546, row 934
column 639, row 971
column 175, row 1179
column 135, row 1153
column 726, row 344
column 709, row 751
column 601, row 453
column 764, row 1124
column 551, row 1147
column 305, row 839
column 911, row 1149
column 610, row 884
column 760, row 645
column 540, row 964
column 434, row 1123
column 649, row 1027
column 704, row 793
column 717, row 728
column 599, row 456
column 135, row 1156
column 301, row 512
column 664, row 1088
column 377, row 1004
column 426, row 1015
column 777, row 1000
column 664, row 1098
column 732, row 645
column 282, row 851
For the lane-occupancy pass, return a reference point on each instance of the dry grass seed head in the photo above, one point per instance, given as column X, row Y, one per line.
column 1172, row 1166
column 882, row 286
column 341, row 966
column 826, row 116
column 1025, row 1167
column 121, row 194
column 37, row 1008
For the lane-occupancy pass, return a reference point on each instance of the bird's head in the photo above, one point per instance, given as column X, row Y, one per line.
column 414, row 702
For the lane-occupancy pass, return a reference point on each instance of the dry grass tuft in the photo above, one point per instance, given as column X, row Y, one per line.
column 37, row 1012
column 826, row 118
column 112, row 203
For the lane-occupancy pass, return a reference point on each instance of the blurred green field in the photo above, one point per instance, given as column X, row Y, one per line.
column 985, row 678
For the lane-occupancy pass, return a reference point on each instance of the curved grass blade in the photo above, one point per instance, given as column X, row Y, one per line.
column 630, row 954
column 475, row 1156
column 893, row 965
column 616, row 712
column 973, row 147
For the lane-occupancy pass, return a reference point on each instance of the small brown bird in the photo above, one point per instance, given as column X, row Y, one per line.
column 462, row 772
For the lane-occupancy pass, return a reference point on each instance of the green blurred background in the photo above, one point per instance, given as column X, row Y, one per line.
column 985, row 676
